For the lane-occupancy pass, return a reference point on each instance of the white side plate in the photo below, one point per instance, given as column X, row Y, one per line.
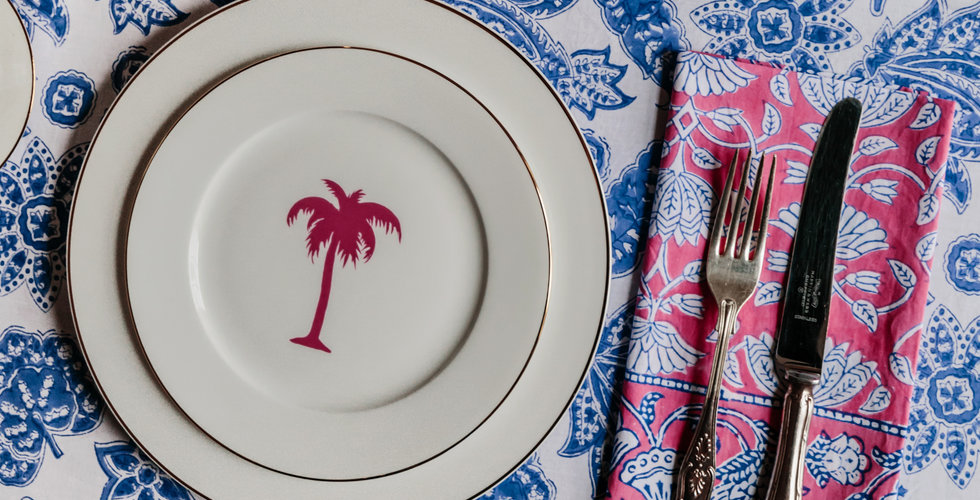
column 439, row 38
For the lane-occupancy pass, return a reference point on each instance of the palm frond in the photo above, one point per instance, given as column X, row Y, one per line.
column 367, row 242
column 313, row 206
column 379, row 215
column 337, row 191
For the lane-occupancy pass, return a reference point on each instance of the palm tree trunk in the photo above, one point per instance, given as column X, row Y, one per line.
column 312, row 340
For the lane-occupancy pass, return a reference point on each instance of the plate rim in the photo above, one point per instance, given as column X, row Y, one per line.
column 145, row 168
column 5, row 155
column 595, row 179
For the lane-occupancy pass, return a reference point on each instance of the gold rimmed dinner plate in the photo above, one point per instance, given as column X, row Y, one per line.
column 459, row 186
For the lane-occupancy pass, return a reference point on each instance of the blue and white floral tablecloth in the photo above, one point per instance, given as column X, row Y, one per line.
column 605, row 58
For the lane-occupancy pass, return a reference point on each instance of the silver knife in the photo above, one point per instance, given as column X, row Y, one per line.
column 808, row 293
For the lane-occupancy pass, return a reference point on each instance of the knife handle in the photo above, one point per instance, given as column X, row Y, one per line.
column 787, row 474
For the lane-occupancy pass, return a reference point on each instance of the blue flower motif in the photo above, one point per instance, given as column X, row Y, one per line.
column 34, row 200
column 648, row 30
column 143, row 14
column 527, row 482
column 544, row 8
column 68, row 98
column 590, row 411
column 946, row 399
column 796, row 34
column 841, row 459
column 127, row 63
column 45, row 391
column 49, row 16
column 935, row 51
column 133, row 476
column 963, row 264
column 628, row 201
column 586, row 80
column 598, row 150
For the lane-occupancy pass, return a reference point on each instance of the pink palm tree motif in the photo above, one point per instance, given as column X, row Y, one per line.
column 347, row 229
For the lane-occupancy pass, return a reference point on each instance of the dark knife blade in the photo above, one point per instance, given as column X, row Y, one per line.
column 806, row 302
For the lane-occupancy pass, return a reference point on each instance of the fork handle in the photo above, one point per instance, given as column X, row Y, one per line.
column 787, row 475
column 696, row 476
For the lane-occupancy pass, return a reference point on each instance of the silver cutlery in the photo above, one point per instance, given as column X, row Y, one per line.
column 808, row 293
column 732, row 278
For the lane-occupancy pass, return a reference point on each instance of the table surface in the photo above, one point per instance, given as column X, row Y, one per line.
column 610, row 75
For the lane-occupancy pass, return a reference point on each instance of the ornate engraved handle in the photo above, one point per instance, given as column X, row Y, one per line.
column 787, row 475
column 696, row 476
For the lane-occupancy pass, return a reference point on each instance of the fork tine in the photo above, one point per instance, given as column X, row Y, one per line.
column 714, row 241
column 737, row 212
column 760, row 246
column 743, row 252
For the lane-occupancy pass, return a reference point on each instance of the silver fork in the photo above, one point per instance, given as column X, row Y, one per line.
column 732, row 278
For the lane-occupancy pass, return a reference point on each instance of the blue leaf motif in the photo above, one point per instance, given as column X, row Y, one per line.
column 732, row 374
column 901, row 367
column 796, row 172
column 903, row 273
column 594, row 83
column 859, row 234
column 628, row 202
column 724, row 118
column 144, row 13
column 692, row 271
column 772, row 121
column 926, row 247
column 928, row 115
column 957, row 186
column 684, row 206
column 50, row 16
column 758, row 351
column 928, row 208
column 927, row 150
column 704, row 159
column 844, row 375
column 877, row 401
column 811, row 129
column 778, row 261
column 882, row 190
column 779, row 86
column 648, row 31
column 866, row 313
column 876, row 144
column 768, row 293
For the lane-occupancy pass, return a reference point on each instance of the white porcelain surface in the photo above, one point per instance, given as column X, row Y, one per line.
column 424, row 31
column 219, row 282
column 16, row 78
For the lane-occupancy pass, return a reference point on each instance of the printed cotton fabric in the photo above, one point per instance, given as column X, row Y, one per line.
column 885, row 249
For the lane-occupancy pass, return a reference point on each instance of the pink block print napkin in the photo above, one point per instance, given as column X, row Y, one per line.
column 885, row 249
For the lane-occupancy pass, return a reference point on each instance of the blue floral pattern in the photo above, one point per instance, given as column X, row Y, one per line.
column 49, row 16
column 590, row 413
column 45, row 393
column 841, row 459
column 68, row 99
column 34, row 200
column 946, row 402
column 127, row 63
column 133, row 476
column 796, row 34
column 586, row 79
column 143, row 14
column 649, row 32
column 963, row 264
column 628, row 201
